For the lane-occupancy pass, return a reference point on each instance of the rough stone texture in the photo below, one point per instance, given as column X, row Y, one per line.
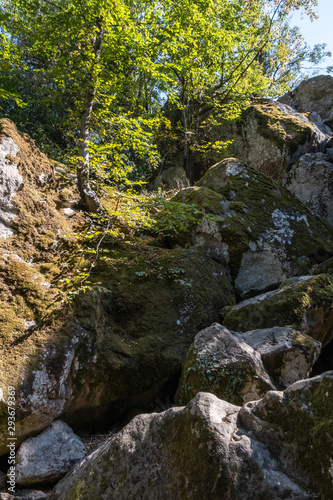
column 287, row 355
column 122, row 347
column 49, row 456
column 219, row 362
column 172, row 178
column 297, row 427
column 311, row 180
column 261, row 231
column 194, row 452
column 314, row 94
column 274, row 136
column 10, row 182
column 24, row 495
column 306, row 305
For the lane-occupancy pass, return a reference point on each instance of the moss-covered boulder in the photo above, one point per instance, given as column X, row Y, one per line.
column 119, row 347
column 260, row 231
column 113, row 348
column 272, row 136
column 297, row 427
column 197, row 452
column 306, row 305
column 219, row 362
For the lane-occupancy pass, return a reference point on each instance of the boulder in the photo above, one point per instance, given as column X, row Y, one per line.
column 273, row 136
column 260, row 231
column 314, row 94
column 48, row 456
column 194, row 452
column 287, row 354
column 121, row 348
column 219, row 362
column 241, row 367
column 305, row 304
column 311, row 180
column 297, row 427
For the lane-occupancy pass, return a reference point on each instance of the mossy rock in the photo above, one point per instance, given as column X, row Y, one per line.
column 219, row 362
column 116, row 349
column 306, row 305
column 260, row 230
column 297, row 426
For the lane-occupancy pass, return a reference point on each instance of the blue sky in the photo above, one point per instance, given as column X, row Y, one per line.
column 320, row 30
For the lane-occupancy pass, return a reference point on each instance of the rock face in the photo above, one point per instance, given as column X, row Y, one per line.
column 49, row 456
column 261, row 232
column 123, row 346
column 305, row 305
column 221, row 363
column 311, row 180
column 314, row 94
column 297, row 427
column 202, row 451
column 10, row 182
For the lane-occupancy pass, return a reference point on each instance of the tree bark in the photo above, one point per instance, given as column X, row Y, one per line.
column 89, row 198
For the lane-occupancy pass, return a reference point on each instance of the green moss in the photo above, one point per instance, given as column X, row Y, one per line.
column 203, row 198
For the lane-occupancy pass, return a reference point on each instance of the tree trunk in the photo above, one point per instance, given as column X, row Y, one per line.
column 89, row 198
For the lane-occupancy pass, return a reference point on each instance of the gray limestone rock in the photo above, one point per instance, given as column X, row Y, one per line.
column 48, row 456
column 194, row 452
column 220, row 362
column 297, row 427
column 10, row 182
column 259, row 230
column 287, row 354
column 304, row 304
column 314, row 94
column 311, row 180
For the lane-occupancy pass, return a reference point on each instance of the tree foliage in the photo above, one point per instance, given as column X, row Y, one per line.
column 93, row 73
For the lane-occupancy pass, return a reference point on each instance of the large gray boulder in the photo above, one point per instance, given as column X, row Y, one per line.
column 314, row 94
column 260, row 231
column 273, row 136
column 287, row 354
column 24, row 495
column 311, row 180
column 194, row 453
column 49, row 456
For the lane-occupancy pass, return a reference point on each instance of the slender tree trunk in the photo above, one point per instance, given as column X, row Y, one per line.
column 89, row 198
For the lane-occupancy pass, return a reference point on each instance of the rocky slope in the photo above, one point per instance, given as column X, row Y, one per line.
column 162, row 322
